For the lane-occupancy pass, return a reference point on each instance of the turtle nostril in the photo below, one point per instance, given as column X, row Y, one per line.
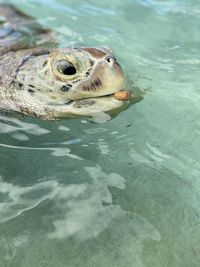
column 110, row 59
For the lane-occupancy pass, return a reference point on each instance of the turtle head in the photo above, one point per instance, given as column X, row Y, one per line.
column 85, row 72
column 72, row 81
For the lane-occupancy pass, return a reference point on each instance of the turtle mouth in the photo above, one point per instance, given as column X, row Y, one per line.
column 120, row 95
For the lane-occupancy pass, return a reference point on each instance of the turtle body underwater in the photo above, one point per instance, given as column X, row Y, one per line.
column 54, row 83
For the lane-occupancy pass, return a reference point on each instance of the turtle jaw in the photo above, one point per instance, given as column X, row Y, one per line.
column 91, row 107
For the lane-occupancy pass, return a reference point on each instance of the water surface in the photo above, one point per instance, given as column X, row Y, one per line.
column 121, row 193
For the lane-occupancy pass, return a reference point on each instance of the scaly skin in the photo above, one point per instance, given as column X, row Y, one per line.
column 53, row 83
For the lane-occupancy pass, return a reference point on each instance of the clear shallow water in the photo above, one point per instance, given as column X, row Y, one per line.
column 122, row 193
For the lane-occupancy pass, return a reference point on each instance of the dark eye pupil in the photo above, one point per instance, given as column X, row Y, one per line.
column 66, row 68
column 69, row 70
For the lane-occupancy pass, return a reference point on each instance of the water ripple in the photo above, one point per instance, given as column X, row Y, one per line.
column 13, row 126
column 165, row 7
column 55, row 151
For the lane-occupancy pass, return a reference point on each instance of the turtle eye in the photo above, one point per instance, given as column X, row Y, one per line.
column 65, row 67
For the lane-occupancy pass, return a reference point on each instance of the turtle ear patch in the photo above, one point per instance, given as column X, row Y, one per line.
column 66, row 88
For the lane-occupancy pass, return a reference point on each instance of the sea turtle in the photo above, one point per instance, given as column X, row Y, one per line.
column 52, row 83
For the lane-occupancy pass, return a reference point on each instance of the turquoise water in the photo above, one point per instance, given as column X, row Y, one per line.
column 125, row 193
